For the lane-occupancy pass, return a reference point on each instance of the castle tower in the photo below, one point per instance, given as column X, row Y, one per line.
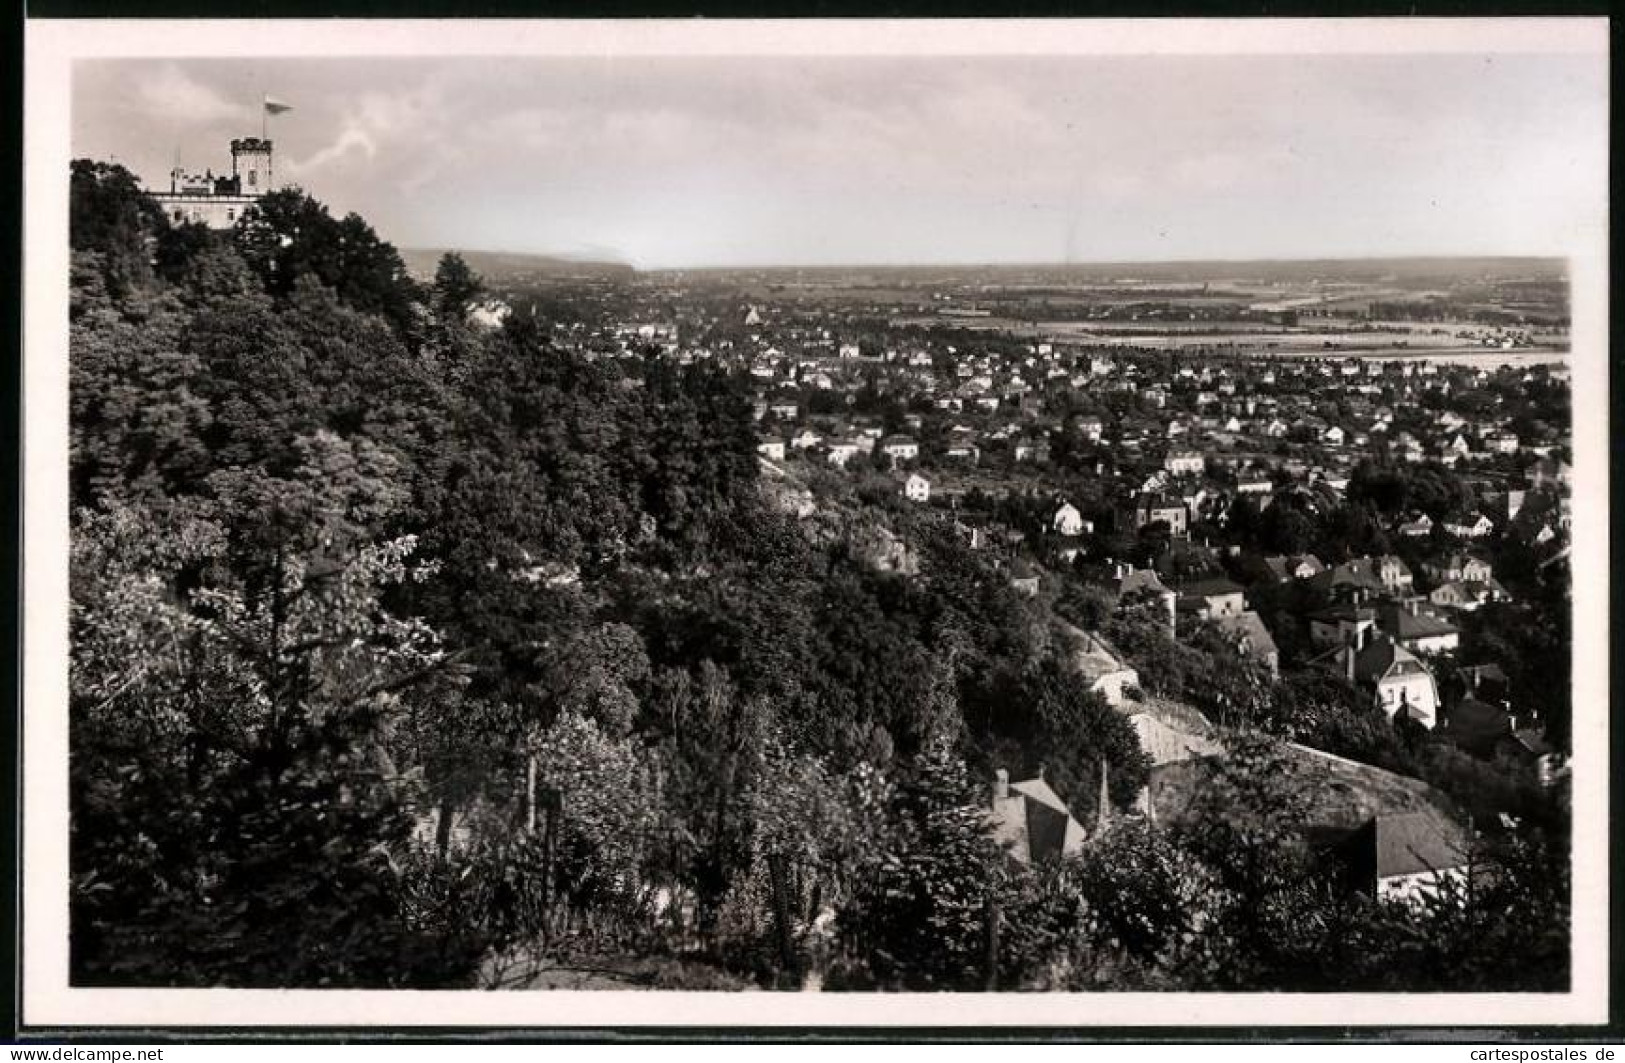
column 251, row 165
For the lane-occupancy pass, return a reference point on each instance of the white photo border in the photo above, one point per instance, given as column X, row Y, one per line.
column 50, row 1002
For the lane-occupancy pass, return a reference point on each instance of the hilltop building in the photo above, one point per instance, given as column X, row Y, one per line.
column 219, row 201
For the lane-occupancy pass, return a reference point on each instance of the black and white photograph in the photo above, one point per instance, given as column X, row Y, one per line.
column 742, row 523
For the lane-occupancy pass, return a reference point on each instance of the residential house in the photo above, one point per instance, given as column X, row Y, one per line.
column 1381, row 575
column 1457, row 565
column 962, row 445
column 1419, row 528
column 1031, row 450
column 900, row 448
column 1212, row 598
column 1472, row 526
column 1406, row 856
column 841, row 451
column 1030, row 821
column 1528, row 745
column 1024, row 578
column 1101, row 666
column 1399, row 683
column 1476, row 727
column 771, row 448
column 1151, row 508
column 1067, row 520
column 1417, row 630
column 1254, row 483
column 1486, row 682
column 1184, row 463
column 1297, row 566
column 1464, row 596
column 917, row 488
column 1251, row 637
column 1124, row 581
column 1345, row 623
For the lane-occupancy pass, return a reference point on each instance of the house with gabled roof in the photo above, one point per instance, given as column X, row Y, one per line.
column 1296, row 566
column 1342, row 623
column 1024, row 578
column 1417, row 629
column 1476, row 727
column 1251, row 638
column 900, row 448
column 1457, row 565
column 1067, row 520
column 1381, row 575
column 1152, row 508
column 1468, row 595
column 1399, row 683
column 1030, row 821
column 1100, row 665
column 1407, row 856
column 1418, row 528
column 841, row 451
column 1212, row 598
column 1472, row 526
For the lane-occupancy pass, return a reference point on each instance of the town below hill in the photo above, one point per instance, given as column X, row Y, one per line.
column 809, row 629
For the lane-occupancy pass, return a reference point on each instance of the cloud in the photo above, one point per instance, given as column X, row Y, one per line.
column 400, row 130
column 351, row 138
column 170, row 92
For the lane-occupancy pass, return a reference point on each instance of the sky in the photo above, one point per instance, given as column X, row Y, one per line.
column 674, row 161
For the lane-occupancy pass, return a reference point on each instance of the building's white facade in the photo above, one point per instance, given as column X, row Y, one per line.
column 219, row 202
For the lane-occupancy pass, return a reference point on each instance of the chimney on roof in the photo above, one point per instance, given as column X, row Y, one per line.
column 1001, row 785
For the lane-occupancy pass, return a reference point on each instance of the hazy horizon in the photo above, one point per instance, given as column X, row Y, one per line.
column 1080, row 264
column 688, row 163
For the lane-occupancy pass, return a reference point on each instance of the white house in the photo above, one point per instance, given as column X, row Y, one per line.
column 842, row 451
column 1099, row 664
column 1406, row 856
column 900, row 448
column 917, row 488
column 1397, row 680
column 1184, row 463
column 1474, row 526
column 1068, row 521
